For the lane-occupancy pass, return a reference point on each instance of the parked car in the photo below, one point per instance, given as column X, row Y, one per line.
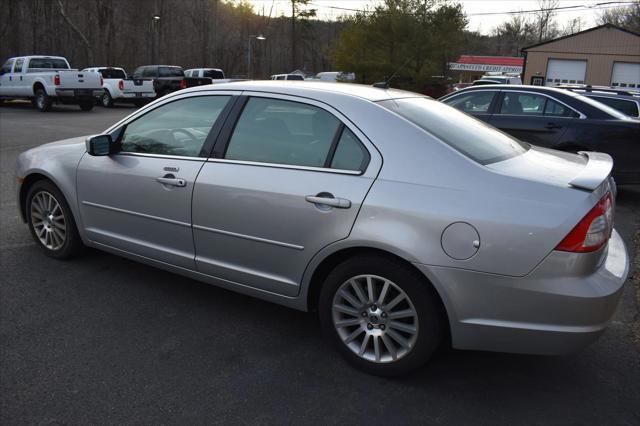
column 334, row 76
column 119, row 88
column 497, row 79
column 212, row 73
column 46, row 80
column 404, row 222
column 625, row 101
column 558, row 119
column 287, row 77
column 168, row 78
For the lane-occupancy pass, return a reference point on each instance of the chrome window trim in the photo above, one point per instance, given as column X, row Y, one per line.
column 172, row 157
column 287, row 166
column 581, row 115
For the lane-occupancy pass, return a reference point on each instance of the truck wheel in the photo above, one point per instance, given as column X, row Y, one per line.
column 107, row 100
column 43, row 101
column 86, row 105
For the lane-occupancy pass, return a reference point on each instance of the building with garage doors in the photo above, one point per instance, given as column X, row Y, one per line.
column 602, row 56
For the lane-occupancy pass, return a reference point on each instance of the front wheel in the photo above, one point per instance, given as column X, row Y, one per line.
column 51, row 222
column 381, row 315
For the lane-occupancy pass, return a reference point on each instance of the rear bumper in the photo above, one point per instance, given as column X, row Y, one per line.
column 556, row 309
column 83, row 94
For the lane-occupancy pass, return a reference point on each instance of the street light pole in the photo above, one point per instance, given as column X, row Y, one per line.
column 251, row 37
column 155, row 22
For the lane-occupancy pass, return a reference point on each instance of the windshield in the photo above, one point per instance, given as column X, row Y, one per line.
column 472, row 137
column 113, row 73
column 170, row 72
column 48, row 63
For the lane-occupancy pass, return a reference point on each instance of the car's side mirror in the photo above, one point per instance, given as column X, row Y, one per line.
column 99, row 145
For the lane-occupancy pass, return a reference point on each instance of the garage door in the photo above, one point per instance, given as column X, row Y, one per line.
column 625, row 74
column 565, row 71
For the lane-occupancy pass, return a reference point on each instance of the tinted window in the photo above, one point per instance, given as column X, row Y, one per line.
column 112, row 73
column 556, row 109
column 472, row 102
column 6, row 68
column 48, row 63
column 295, row 77
column 280, row 77
column 176, row 128
column 350, row 154
column 472, row 137
column 213, row 74
column 282, row 132
column 170, row 72
column 19, row 63
column 148, row 72
column 624, row 106
column 514, row 103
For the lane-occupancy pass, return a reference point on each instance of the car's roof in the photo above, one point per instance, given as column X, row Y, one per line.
column 311, row 89
column 541, row 89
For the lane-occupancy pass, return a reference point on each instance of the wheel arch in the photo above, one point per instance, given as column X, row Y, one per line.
column 38, row 85
column 330, row 261
column 27, row 183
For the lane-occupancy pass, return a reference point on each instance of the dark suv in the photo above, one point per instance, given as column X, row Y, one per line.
column 168, row 78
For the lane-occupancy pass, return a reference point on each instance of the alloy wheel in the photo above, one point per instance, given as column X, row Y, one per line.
column 48, row 221
column 375, row 318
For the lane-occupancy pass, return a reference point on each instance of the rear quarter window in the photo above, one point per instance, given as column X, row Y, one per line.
column 627, row 107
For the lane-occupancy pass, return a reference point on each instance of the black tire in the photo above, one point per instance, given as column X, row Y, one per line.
column 72, row 244
column 429, row 322
column 106, row 100
column 42, row 101
column 86, row 105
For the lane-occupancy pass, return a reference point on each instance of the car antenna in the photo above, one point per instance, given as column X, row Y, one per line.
column 385, row 84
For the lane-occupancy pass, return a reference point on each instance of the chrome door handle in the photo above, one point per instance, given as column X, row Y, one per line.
column 339, row 203
column 172, row 181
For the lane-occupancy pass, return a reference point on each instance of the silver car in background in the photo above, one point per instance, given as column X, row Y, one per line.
column 404, row 222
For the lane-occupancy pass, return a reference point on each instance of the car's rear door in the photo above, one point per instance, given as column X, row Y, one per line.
column 532, row 117
column 478, row 103
column 139, row 199
column 285, row 180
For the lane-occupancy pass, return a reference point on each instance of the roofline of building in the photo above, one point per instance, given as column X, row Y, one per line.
column 607, row 25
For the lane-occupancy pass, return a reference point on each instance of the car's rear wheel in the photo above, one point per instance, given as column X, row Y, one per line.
column 107, row 100
column 383, row 316
column 42, row 101
column 51, row 222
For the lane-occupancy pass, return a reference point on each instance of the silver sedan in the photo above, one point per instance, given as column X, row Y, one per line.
column 404, row 222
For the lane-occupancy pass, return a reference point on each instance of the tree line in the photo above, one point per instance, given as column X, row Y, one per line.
column 411, row 40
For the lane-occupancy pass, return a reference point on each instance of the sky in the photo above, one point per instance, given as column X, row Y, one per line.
column 476, row 10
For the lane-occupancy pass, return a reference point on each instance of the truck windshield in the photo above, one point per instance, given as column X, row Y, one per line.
column 112, row 73
column 475, row 139
column 48, row 63
column 215, row 74
column 170, row 72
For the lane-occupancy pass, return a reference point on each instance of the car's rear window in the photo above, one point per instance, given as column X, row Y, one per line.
column 625, row 106
column 48, row 63
column 472, row 137
column 112, row 73
column 170, row 72
column 215, row 74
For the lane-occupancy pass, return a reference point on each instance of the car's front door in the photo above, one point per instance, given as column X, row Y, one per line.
column 139, row 199
column 288, row 180
column 6, row 79
column 532, row 117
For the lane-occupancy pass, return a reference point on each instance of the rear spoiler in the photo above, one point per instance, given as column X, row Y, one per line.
column 595, row 172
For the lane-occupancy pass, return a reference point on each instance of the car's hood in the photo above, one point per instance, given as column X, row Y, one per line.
column 65, row 152
column 543, row 165
column 64, row 143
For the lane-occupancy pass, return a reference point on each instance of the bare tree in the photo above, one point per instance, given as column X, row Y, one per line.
column 546, row 26
column 78, row 32
column 627, row 17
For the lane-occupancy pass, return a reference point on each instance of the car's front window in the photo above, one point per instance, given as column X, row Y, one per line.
column 177, row 128
column 472, row 102
column 470, row 136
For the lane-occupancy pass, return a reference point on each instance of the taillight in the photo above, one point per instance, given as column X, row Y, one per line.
column 593, row 231
column 56, row 80
column 121, row 85
column 183, row 84
column 101, row 81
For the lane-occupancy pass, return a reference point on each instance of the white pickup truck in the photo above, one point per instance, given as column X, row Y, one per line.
column 48, row 79
column 118, row 88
